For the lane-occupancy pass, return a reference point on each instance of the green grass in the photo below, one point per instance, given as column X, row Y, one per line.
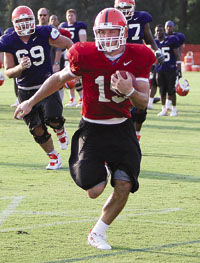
column 45, row 217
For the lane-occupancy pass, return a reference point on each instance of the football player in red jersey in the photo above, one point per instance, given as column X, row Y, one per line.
column 105, row 140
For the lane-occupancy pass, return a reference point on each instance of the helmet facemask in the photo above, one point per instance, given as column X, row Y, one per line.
column 109, row 44
column 24, row 25
column 127, row 10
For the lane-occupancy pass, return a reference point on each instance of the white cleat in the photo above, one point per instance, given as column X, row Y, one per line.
column 55, row 162
column 163, row 113
column 174, row 113
column 72, row 102
column 80, row 102
column 14, row 105
column 150, row 106
column 98, row 241
column 63, row 139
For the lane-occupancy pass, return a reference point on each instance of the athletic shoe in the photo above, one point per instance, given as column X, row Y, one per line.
column 98, row 241
column 80, row 102
column 14, row 105
column 63, row 139
column 72, row 102
column 174, row 113
column 163, row 113
column 55, row 162
column 150, row 106
column 138, row 137
column 155, row 100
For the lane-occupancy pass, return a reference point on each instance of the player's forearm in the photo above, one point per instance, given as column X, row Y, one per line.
column 139, row 99
column 51, row 85
column 13, row 72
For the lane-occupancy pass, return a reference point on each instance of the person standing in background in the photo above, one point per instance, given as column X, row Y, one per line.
column 167, row 72
column 43, row 16
column 169, row 31
column 78, row 34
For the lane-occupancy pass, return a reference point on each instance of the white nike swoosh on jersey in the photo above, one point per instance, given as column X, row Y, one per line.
column 135, row 18
column 126, row 63
column 34, row 38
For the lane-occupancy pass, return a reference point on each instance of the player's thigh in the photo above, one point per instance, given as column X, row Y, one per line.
column 52, row 106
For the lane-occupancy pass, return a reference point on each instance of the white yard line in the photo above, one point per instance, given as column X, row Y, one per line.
column 92, row 218
column 10, row 208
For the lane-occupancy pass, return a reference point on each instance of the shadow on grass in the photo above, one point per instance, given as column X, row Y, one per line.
column 124, row 251
column 169, row 176
column 30, row 166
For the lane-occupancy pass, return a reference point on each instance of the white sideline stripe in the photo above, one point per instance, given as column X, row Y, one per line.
column 10, row 208
column 70, row 213
column 91, row 219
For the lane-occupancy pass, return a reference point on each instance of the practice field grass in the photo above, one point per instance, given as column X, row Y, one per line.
column 45, row 217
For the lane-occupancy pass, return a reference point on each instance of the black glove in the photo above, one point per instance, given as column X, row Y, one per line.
column 160, row 57
column 179, row 73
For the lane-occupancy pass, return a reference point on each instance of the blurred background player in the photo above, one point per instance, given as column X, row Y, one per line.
column 78, row 33
column 43, row 16
column 139, row 32
column 27, row 58
column 169, row 30
column 166, row 72
column 56, row 53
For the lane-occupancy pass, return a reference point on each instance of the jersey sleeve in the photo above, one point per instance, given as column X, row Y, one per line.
column 82, row 25
column 181, row 38
column 147, row 61
column 75, row 59
column 65, row 32
column 146, row 17
column 5, row 44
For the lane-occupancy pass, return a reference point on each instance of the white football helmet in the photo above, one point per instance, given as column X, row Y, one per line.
column 23, row 21
column 110, row 18
column 182, row 87
column 127, row 7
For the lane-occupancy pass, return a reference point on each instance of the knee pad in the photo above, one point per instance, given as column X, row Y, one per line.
column 78, row 86
column 140, row 116
column 41, row 139
column 55, row 122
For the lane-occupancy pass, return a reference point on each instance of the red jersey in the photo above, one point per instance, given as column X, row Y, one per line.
column 99, row 101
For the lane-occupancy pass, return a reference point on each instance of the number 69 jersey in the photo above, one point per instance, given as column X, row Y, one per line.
column 99, row 101
column 37, row 49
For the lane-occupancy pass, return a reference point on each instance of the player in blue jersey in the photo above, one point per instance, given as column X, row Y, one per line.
column 169, row 30
column 78, row 33
column 138, row 32
column 27, row 58
column 166, row 72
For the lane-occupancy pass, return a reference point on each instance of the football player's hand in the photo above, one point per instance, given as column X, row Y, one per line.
column 25, row 62
column 160, row 56
column 123, row 86
column 179, row 73
column 22, row 109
